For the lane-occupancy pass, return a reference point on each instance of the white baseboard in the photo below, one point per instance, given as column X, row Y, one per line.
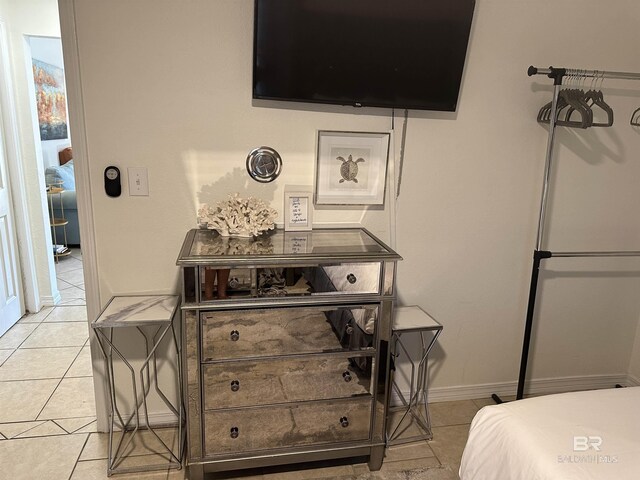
column 633, row 381
column 538, row 387
column 50, row 300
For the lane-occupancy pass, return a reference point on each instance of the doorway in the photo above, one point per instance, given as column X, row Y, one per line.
column 58, row 320
column 11, row 303
column 53, row 135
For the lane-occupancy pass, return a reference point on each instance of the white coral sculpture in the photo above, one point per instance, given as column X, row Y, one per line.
column 238, row 217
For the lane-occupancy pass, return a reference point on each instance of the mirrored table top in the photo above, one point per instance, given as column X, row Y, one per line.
column 208, row 247
column 137, row 310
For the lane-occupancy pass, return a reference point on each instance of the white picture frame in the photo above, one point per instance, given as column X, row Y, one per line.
column 298, row 208
column 351, row 168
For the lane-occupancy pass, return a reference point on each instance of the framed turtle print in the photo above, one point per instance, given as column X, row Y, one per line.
column 351, row 168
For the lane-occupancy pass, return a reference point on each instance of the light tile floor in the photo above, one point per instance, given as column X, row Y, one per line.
column 47, row 411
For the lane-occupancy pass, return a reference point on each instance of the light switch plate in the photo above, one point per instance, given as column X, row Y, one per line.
column 138, row 181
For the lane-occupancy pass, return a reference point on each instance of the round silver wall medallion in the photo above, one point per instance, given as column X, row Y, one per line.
column 264, row 164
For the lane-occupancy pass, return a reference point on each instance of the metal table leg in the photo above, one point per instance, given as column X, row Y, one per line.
column 117, row 455
column 416, row 408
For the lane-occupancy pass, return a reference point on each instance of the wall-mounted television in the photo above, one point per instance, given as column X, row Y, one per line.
column 378, row 53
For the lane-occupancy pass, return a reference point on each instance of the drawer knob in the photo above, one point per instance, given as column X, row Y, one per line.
column 234, row 432
column 344, row 421
column 351, row 278
column 347, row 376
column 235, row 335
column 349, row 330
column 235, row 385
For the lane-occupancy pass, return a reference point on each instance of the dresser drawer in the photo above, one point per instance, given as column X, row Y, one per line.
column 251, row 429
column 347, row 278
column 244, row 334
column 244, row 283
column 246, row 383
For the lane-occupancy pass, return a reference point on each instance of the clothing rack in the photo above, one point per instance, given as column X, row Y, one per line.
column 557, row 74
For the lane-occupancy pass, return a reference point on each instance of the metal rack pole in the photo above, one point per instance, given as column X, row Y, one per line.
column 537, row 257
column 547, row 165
column 576, row 72
column 595, row 254
column 557, row 74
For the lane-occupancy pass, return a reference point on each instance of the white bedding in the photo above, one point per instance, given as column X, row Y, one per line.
column 533, row 439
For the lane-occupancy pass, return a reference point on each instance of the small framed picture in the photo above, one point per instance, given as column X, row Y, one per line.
column 298, row 208
column 351, row 168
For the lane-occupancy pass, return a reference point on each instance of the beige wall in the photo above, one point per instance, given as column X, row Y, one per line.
column 477, row 180
column 167, row 86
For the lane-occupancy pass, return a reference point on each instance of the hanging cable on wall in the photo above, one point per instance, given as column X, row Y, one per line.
column 404, row 139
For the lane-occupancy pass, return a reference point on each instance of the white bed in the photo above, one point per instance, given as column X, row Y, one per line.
column 571, row 436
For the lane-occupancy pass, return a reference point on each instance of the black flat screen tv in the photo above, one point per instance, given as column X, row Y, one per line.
column 378, row 53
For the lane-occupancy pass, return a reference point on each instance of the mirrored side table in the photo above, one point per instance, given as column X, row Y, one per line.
column 57, row 221
column 150, row 319
column 414, row 422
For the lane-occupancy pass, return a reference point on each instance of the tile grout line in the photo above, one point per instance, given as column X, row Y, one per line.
column 59, row 418
column 41, row 436
column 42, row 422
column 26, row 316
column 84, row 426
column 57, row 346
column 67, row 321
column 72, row 266
column 71, row 285
column 49, row 399
column 60, row 280
column 57, row 386
column 26, row 380
column 58, row 274
column 20, row 437
column 10, row 355
column 45, row 317
column 65, row 418
column 79, row 454
column 31, row 333
column 71, row 364
column 38, row 379
column 68, row 432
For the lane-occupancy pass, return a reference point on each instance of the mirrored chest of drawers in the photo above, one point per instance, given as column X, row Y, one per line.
column 285, row 347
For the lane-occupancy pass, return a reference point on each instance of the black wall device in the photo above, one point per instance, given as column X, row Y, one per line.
column 112, row 181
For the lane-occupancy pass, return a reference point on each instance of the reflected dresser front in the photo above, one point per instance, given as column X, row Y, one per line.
column 286, row 356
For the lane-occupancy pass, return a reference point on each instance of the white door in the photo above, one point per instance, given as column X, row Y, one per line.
column 10, row 291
